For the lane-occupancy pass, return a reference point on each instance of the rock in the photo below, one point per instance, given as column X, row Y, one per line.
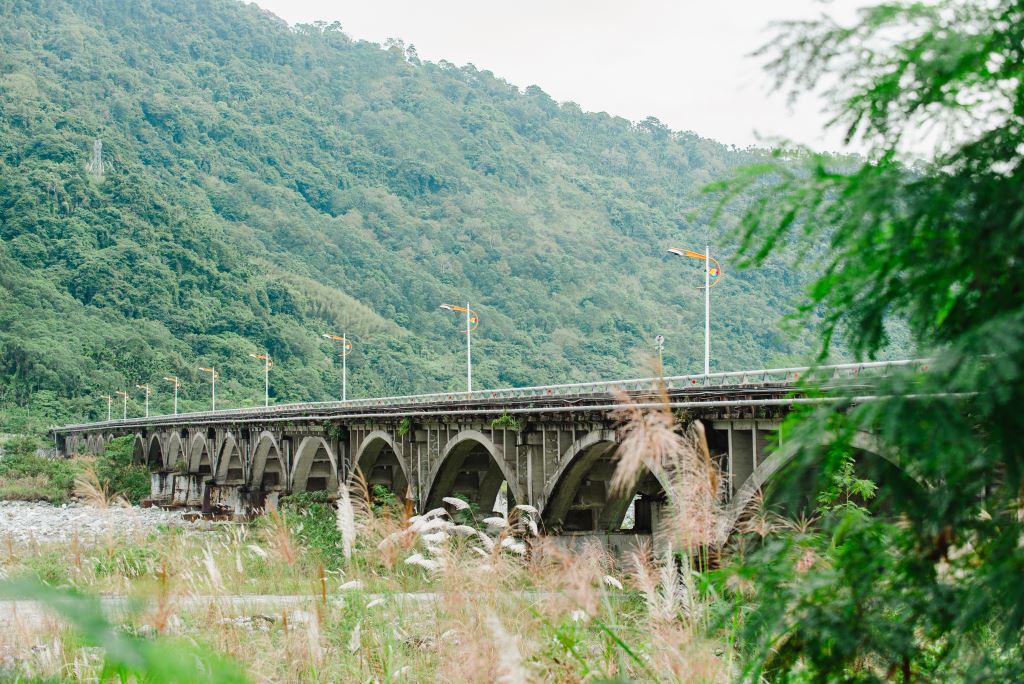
column 35, row 522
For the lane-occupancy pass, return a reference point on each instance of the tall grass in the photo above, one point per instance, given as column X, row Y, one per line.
column 444, row 595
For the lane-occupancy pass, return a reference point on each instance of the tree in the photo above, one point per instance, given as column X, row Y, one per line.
column 938, row 244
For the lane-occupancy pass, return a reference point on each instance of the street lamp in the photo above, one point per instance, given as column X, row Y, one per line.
column 659, row 346
column 708, row 272
column 110, row 401
column 125, row 395
column 472, row 321
column 213, row 386
column 174, row 379
column 267, row 363
column 346, row 348
column 145, row 387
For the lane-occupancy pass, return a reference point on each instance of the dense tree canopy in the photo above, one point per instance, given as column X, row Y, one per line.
column 929, row 588
column 260, row 184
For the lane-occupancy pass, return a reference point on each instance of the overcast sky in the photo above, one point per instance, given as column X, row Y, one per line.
column 685, row 62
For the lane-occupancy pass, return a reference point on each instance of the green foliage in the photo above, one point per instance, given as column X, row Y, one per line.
column 252, row 199
column 507, row 422
column 128, row 561
column 26, row 476
column 119, row 474
column 128, row 657
column 384, row 498
column 29, row 488
column 50, row 568
column 928, row 589
column 313, row 521
column 404, row 426
column 332, row 431
column 843, row 493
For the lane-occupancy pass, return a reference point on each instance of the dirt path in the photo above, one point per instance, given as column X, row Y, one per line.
column 241, row 609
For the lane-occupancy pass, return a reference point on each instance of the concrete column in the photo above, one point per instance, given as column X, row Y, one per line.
column 418, row 465
column 534, row 452
column 742, row 453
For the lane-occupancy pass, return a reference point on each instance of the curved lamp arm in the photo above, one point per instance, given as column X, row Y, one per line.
column 716, row 271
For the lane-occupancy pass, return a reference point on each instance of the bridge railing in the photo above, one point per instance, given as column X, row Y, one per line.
column 764, row 377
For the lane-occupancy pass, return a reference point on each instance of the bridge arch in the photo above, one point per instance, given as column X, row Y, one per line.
column 230, row 463
column 379, row 461
column 200, row 461
column 174, row 452
column 268, row 469
column 315, row 467
column 862, row 441
column 474, row 466
column 578, row 497
column 154, row 453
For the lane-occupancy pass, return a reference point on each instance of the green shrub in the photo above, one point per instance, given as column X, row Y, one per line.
column 383, row 498
column 25, row 476
column 314, row 523
column 27, row 488
column 119, row 474
column 21, row 445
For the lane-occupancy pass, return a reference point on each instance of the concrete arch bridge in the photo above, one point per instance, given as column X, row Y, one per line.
column 553, row 447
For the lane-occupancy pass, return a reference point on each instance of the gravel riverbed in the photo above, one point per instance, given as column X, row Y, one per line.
column 26, row 522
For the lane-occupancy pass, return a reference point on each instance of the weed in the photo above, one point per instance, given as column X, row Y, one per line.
column 404, row 426
column 506, row 422
column 130, row 561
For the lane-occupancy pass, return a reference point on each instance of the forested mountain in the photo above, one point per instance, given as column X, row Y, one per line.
column 261, row 184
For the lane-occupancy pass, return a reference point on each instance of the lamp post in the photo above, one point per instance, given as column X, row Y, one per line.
column 213, row 386
column 659, row 346
column 267, row 363
column 346, row 348
column 472, row 321
column 110, row 401
column 124, row 415
column 708, row 272
column 145, row 387
column 174, row 379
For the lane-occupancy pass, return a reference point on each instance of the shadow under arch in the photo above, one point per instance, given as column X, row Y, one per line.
column 268, row 468
column 139, row 449
column 315, row 467
column 862, row 441
column 230, row 465
column 579, row 497
column 474, row 466
column 155, row 453
column 378, row 460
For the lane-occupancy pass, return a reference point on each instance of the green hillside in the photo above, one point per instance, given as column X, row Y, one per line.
column 262, row 184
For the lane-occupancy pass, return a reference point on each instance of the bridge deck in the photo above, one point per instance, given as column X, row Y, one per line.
column 733, row 388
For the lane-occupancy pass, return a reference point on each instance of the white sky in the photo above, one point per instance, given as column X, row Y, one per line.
column 684, row 61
